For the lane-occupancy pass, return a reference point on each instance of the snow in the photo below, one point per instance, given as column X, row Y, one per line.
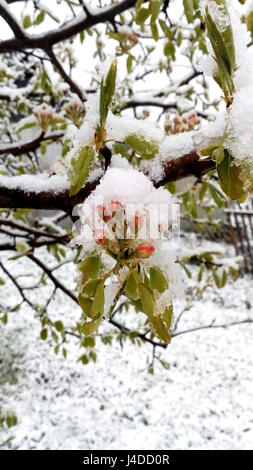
column 210, row 133
column 131, row 190
column 217, row 12
column 35, row 183
column 172, row 147
column 203, row 401
column 118, row 128
column 14, row 93
column 129, row 186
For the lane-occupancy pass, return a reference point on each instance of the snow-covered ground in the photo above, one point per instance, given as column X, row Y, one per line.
column 203, row 401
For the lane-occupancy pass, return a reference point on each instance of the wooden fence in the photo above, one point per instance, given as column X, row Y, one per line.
column 239, row 221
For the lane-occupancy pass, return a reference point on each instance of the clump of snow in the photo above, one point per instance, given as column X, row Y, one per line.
column 35, row 183
column 153, row 168
column 210, row 133
column 240, row 137
column 110, row 292
column 207, row 63
column 118, row 162
column 172, row 147
column 175, row 146
column 240, row 115
column 241, row 39
column 118, row 128
column 217, row 12
column 85, row 135
column 129, row 186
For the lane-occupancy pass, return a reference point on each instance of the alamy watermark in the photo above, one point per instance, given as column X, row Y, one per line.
column 112, row 220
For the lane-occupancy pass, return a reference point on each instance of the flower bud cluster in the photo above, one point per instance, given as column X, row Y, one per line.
column 44, row 115
column 75, row 111
column 180, row 124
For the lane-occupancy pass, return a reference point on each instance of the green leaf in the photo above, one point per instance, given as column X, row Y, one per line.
column 168, row 316
column 59, row 325
column 159, row 329
column 43, row 334
column 154, row 31
column 217, row 280
column 141, row 146
column 202, row 191
column 222, row 54
column 90, row 287
column 129, row 64
column 107, row 91
column 148, row 307
column 27, row 125
column 229, row 178
column 82, row 36
column 88, row 328
column 84, row 359
column 170, row 50
column 85, row 304
column 217, row 196
column 227, row 34
column 80, row 169
column 250, row 23
column 90, row 267
column 166, row 30
column 11, row 420
column 99, row 301
column 40, row 17
column 224, row 278
column 155, row 6
column 147, row 299
column 207, row 151
column 142, row 16
column 27, row 21
column 189, row 10
column 218, row 154
column 171, row 187
column 131, row 288
column 157, row 279
column 138, row 4
column 200, row 273
column 4, row 319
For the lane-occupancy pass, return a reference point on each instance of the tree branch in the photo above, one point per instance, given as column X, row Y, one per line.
column 73, row 85
column 11, row 21
column 13, row 198
column 187, row 165
column 212, row 325
column 71, row 28
column 19, row 198
column 24, row 147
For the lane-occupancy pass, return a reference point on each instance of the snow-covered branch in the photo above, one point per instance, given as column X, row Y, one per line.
column 81, row 23
column 6, row 13
column 42, row 192
column 38, row 192
column 19, row 148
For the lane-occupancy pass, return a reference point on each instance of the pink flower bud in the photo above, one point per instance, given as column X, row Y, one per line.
column 145, row 250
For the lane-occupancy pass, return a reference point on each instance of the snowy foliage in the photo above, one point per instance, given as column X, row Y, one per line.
column 110, row 127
